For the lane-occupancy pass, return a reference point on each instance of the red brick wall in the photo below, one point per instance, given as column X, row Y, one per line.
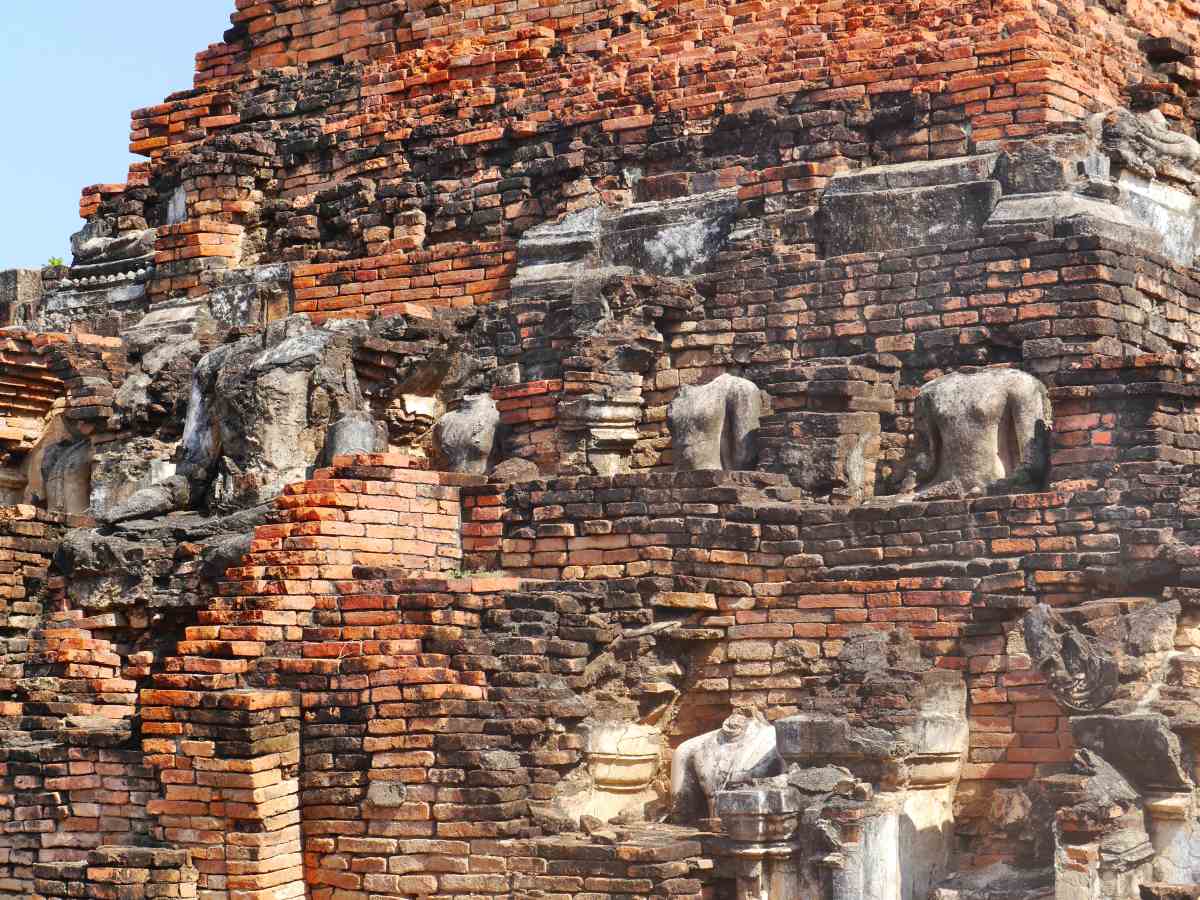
column 778, row 588
column 527, row 113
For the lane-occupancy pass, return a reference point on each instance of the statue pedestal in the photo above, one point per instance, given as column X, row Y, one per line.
column 772, row 856
column 768, row 871
column 908, row 825
column 1172, row 826
column 758, row 823
column 603, row 429
column 907, row 840
column 622, row 759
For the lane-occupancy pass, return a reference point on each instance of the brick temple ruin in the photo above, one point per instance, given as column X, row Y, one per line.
column 619, row 449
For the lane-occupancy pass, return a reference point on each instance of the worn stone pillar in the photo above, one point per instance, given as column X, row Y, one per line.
column 926, row 829
column 780, row 844
column 769, row 873
column 1171, row 822
column 759, row 822
column 908, row 824
column 20, row 294
column 600, row 430
column 622, row 759
column 843, row 871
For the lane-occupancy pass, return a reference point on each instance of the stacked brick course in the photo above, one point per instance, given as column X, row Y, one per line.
column 453, row 275
column 355, row 727
column 41, row 370
column 381, row 76
column 27, row 543
column 119, row 871
column 780, row 587
column 66, row 797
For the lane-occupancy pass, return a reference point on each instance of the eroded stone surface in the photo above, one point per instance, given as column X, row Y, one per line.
column 261, row 409
column 715, row 426
column 466, row 437
column 742, row 749
column 1146, row 143
column 977, row 429
column 1082, row 676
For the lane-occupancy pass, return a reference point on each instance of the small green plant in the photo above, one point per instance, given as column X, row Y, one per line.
column 474, row 573
column 55, row 262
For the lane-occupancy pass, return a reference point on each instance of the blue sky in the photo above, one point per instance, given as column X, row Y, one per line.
column 71, row 71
